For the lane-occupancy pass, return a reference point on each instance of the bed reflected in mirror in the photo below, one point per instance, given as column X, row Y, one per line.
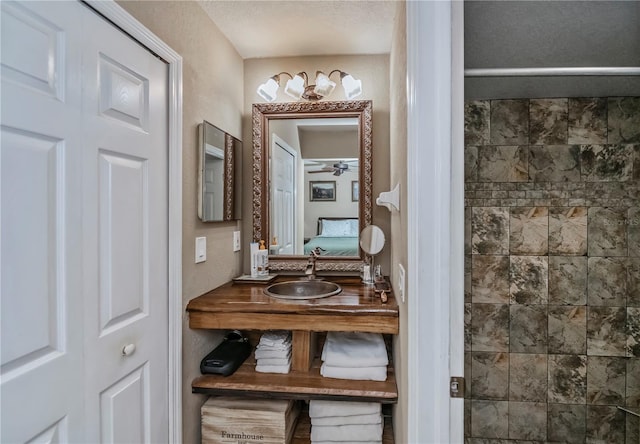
column 335, row 236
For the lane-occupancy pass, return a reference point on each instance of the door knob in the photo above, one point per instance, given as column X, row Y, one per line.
column 128, row 349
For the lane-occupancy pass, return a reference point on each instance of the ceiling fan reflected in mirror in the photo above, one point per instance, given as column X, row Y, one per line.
column 337, row 168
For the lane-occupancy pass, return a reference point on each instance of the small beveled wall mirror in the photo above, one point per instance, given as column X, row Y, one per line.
column 219, row 175
column 312, row 182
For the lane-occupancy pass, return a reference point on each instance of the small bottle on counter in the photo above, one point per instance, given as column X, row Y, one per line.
column 253, row 249
column 377, row 276
column 367, row 273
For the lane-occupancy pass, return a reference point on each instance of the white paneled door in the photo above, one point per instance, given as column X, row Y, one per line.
column 84, row 186
column 283, row 216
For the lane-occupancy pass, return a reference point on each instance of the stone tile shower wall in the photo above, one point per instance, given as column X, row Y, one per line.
column 552, row 270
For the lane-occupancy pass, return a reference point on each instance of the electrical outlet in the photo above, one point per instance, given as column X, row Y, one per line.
column 236, row 241
column 201, row 249
column 401, row 288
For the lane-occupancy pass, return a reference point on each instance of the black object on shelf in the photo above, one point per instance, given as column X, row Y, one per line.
column 227, row 356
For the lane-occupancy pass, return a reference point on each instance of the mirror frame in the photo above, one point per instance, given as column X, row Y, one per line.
column 261, row 115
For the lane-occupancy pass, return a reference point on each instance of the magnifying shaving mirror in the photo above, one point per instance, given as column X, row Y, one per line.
column 372, row 242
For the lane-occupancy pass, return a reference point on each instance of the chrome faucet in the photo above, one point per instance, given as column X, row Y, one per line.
column 310, row 271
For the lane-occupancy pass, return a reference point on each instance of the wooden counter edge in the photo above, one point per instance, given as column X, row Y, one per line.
column 292, row 321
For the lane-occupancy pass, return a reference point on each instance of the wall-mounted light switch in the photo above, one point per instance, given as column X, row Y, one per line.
column 401, row 288
column 236, row 241
column 201, row 249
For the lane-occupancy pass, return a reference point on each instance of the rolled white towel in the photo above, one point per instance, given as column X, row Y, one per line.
column 356, row 432
column 275, row 337
column 372, row 418
column 267, row 354
column 354, row 349
column 356, row 373
column 322, row 409
column 274, row 361
column 273, row 368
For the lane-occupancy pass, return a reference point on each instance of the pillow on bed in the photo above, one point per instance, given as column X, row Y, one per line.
column 355, row 227
column 340, row 228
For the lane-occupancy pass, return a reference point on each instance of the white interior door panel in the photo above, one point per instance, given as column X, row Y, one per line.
column 283, row 218
column 84, row 235
column 126, row 235
column 41, row 347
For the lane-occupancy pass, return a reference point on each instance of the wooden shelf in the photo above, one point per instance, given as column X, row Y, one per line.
column 302, row 432
column 296, row 385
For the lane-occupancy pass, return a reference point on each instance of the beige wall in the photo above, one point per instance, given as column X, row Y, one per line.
column 212, row 91
column 373, row 70
column 398, row 166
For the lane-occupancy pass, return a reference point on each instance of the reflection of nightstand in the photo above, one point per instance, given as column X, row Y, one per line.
column 307, row 239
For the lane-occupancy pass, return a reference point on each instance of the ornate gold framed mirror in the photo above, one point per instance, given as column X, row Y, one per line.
column 288, row 250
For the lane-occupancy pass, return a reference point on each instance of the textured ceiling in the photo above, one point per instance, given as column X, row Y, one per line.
column 299, row 28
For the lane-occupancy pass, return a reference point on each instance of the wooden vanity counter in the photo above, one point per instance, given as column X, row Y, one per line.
column 244, row 306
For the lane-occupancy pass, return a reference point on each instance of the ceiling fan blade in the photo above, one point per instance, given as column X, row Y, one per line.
column 337, row 169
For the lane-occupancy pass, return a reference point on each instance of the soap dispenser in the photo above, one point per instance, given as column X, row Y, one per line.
column 263, row 259
column 274, row 247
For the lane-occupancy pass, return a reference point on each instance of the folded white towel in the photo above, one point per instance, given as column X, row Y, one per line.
column 354, row 349
column 322, row 409
column 273, row 368
column 278, row 347
column 357, row 432
column 274, row 361
column 275, row 337
column 358, row 373
column 372, row 418
column 267, row 354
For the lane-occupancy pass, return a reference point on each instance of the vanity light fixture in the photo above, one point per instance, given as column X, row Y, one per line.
column 298, row 86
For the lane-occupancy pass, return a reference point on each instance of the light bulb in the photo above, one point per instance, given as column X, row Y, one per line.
column 352, row 87
column 268, row 90
column 324, row 85
column 295, row 87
